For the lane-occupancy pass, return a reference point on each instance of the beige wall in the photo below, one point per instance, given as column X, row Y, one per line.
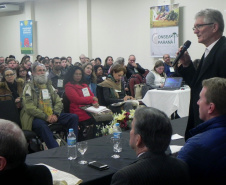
column 97, row 28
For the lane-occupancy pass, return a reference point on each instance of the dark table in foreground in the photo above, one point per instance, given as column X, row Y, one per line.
column 99, row 149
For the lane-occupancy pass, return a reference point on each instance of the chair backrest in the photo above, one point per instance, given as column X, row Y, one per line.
column 100, row 95
column 66, row 103
column 134, row 79
column 8, row 109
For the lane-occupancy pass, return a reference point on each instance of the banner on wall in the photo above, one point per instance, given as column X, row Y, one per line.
column 164, row 30
column 26, row 37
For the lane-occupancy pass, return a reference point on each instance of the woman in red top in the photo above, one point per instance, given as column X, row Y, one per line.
column 80, row 95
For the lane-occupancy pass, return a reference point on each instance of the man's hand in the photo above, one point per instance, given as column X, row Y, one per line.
column 134, row 64
column 52, row 119
column 185, row 59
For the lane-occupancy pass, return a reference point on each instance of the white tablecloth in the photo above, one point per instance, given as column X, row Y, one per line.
column 169, row 101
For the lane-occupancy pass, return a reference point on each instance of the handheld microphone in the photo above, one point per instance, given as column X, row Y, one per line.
column 184, row 48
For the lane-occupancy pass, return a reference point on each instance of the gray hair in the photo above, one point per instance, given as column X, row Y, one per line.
column 212, row 16
column 35, row 64
column 119, row 60
column 13, row 145
column 154, row 127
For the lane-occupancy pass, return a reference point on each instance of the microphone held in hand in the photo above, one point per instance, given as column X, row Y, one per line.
column 184, row 48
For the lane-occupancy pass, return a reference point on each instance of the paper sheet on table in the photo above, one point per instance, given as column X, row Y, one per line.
column 176, row 136
column 175, row 148
column 61, row 177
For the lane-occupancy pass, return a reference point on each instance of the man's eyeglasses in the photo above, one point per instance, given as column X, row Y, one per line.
column 199, row 26
column 9, row 75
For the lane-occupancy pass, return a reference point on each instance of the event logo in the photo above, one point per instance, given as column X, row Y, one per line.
column 164, row 39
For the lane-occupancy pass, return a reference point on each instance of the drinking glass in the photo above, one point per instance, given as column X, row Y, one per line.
column 117, row 147
column 82, row 147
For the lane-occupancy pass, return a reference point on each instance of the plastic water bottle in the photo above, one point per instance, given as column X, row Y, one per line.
column 117, row 135
column 72, row 147
column 117, row 131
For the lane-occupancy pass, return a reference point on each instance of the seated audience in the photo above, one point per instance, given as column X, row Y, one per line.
column 113, row 89
column 205, row 150
column 168, row 68
column 11, row 63
column 43, row 106
column 98, row 61
column 47, row 65
column 156, row 77
column 11, row 85
column 64, row 64
column 25, row 58
column 150, row 135
column 82, row 59
column 107, row 64
column 79, row 95
column 121, row 61
column 99, row 72
column 78, row 64
column 22, row 73
column 90, row 77
column 38, row 57
column 56, row 75
column 92, row 61
column 69, row 61
column 2, row 68
column 133, row 67
column 27, row 65
column 2, row 60
column 13, row 151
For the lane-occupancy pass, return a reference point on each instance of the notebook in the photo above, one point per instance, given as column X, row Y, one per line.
column 172, row 83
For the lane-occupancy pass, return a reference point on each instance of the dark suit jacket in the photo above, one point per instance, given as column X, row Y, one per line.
column 153, row 169
column 214, row 65
column 130, row 70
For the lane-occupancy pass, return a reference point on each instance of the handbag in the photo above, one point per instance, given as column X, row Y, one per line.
column 138, row 91
column 106, row 115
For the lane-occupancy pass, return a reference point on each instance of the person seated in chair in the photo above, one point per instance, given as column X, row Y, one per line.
column 156, row 77
column 150, row 136
column 43, row 106
column 205, row 150
column 57, row 76
column 113, row 89
column 13, row 151
column 79, row 95
column 12, row 86
column 133, row 67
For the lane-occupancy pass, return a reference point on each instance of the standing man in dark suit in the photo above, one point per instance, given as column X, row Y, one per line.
column 209, row 27
column 150, row 136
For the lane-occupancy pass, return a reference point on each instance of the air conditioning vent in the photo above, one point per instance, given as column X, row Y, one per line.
column 9, row 7
column 2, row 6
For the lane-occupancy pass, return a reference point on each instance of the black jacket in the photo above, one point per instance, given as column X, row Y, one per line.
column 130, row 70
column 214, row 65
column 153, row 169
